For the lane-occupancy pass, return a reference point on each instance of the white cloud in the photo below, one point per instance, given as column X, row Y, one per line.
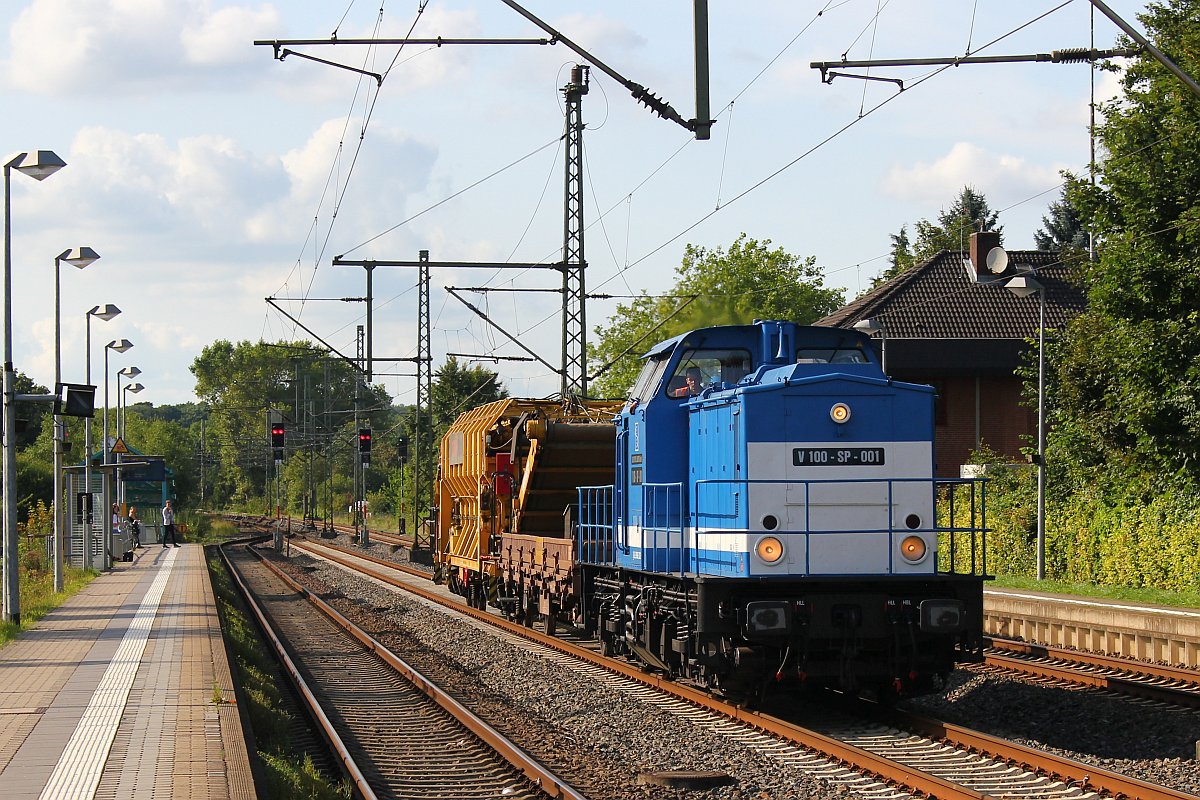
column 190, row 189
column 225, row 36
column 390, row 168
column 133, row 47
column 994, row 174
column 207, row 192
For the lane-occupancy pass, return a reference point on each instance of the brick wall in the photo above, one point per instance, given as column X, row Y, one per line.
column 1003, row 420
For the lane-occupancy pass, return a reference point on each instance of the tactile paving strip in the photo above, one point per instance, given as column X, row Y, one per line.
column 77, row 774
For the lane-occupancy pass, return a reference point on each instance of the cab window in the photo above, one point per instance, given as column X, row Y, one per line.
column 699, row 369
column 830, row 355
column 647, row 380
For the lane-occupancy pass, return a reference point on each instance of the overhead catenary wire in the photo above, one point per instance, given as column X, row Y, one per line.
column 627, row 198
column 627, row 201
column 820, row 144
column 368, row 114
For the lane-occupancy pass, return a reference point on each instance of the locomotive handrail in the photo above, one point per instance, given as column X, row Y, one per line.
column 651, row 491
column 664, row 515
column 977, row 507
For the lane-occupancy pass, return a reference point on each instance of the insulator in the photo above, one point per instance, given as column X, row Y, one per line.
column 1073, row 55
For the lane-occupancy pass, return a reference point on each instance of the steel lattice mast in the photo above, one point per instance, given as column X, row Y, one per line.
column 574, row 330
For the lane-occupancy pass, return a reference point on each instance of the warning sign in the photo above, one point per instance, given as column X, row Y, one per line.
column 119, row 447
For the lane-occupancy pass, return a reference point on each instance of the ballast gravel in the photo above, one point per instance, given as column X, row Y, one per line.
column 1140, row 739
column 602, row 738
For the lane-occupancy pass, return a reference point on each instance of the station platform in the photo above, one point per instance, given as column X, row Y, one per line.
column 125, row 691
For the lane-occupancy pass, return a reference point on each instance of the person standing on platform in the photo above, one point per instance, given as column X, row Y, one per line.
column 135, row 527
column 168, row 520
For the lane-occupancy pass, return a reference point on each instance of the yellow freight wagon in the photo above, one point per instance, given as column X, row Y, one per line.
column 507, row 480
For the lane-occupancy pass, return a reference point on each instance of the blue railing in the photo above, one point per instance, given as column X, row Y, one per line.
column 596, row 534
column 662, row 518
column 959, row 521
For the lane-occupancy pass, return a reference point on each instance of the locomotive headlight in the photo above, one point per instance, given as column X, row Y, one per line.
column 769, row 550
column 840, row 413
column 913, row 549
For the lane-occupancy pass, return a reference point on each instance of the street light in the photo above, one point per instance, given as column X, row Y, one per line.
column 39, row 165
column 131, row 373
column 78, row 257
column 1024, row 286
column 870, row 327
column 105, row 312
column 123, row 406
column 120, row 346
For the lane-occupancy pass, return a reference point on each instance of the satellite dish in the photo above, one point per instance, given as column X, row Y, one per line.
column 996, row 260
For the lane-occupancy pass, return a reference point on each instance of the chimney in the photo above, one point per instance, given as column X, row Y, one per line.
column 981, row 244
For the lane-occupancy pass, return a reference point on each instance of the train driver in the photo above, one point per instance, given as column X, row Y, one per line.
column 694, row 384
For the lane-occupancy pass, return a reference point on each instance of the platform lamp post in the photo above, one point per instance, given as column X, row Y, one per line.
column 132, row 388
column 120, row 346
column 78, row 257
column 870, row 327
column 1024, row 286
column 130, row 373
column 39, row 165
column 105, row 312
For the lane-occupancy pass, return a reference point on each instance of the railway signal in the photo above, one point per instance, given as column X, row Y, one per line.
column 364, row 444
column 277, row 436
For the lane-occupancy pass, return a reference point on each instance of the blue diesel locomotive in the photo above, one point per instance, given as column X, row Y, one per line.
column 775, row 517
column 767, row 513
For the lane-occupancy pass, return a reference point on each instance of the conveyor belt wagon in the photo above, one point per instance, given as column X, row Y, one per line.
column 508, row 480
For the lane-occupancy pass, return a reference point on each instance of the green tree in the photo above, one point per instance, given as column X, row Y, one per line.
column 32, row 418
column 1063, row 230
column 177, row 445
column 902, row 254
column 458, row 387
column 951, row 230
column 712, row 287
column 320, row 398
column 1128, row 369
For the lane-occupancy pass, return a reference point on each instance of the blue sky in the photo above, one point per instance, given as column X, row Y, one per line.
column 207, row 174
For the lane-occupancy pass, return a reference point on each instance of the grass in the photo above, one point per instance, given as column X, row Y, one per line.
column 38, row 597
column 289, row 775
column 205, row 528
column 1158, row 597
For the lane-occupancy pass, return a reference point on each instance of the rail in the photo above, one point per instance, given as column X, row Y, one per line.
column 307, row 695
column 534, row 770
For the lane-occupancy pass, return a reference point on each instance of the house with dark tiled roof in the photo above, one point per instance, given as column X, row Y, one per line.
column 950, row 322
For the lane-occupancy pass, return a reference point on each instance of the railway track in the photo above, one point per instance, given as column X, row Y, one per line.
column 395, row 732
column 1160, row 683
column 921, row 756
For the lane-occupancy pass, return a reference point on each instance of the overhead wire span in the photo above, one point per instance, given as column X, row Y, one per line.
column 333, row 176
column 368, row 115
column 820, row 144
column 452, row 196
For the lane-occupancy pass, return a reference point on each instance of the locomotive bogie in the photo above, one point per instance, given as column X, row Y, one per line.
column 739, row 636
